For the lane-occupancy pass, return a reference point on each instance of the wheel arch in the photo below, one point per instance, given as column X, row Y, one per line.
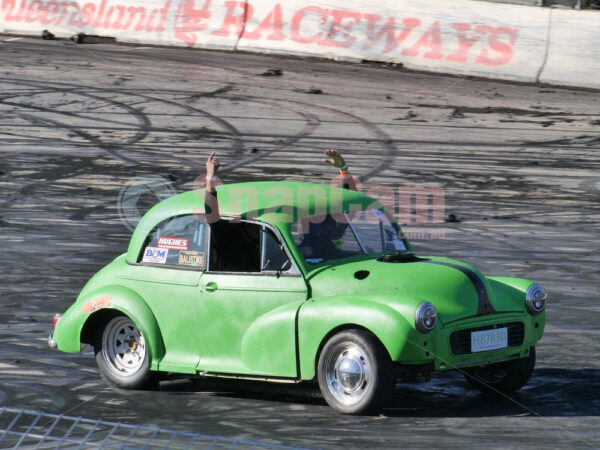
column 124, row 301
column 95, row 322
column 339, row 329
column 319, row 320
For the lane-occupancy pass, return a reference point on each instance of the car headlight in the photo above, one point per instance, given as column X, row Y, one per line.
column 426, row 317
column 536, row 299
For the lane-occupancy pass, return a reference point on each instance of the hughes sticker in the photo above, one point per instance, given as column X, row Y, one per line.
column 173, row 243
column 191, row 258
column 96, row 304
column 155, row 255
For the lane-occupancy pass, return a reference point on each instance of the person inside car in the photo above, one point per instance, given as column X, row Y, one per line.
column 323, row 240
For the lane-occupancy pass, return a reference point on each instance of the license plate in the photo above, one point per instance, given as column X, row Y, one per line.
column 482, row 341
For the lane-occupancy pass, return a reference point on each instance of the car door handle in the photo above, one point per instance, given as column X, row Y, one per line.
column 211, row 286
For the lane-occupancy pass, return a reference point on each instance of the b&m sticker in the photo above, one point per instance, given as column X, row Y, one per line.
column 155, row 255
column 172, row 243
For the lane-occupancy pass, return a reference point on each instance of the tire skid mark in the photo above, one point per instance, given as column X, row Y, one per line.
column 79, row 90
column 88, row 373
column 21, row 387
column 109, row 148
column 429, row 125
column 312, row 123
column 238, row 142
column 45, row 122
column 503, row 239
column 382, row 137
column 59, row 172
column 18, row 194
column 66, row 113
column 388, row 143
column 146, row 126
column 216, row 119
column 222, row 90
column 142, row 118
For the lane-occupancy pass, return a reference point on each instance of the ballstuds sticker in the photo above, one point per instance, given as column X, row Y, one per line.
column 191, row 258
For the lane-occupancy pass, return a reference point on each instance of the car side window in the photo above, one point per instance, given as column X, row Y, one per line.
column 179, row 241
column 234, row 246
column 237, row 246
column 273, row 257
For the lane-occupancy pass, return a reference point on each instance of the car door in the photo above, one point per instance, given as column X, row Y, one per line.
column 249, row 298
column 166, row 276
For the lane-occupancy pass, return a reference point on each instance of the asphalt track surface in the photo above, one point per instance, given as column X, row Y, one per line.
column 518, row 164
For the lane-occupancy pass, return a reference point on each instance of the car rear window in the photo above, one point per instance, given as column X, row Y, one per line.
column 178, row 241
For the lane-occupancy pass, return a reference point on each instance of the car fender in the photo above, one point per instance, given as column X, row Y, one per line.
column 74, row 327
column 320, row 318
column 509, row 292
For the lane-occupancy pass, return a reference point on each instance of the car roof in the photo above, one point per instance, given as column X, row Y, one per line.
column 275, row 202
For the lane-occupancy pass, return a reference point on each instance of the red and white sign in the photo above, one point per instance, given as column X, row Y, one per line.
column 461, row 36
column 496, row 40
column 172, row 243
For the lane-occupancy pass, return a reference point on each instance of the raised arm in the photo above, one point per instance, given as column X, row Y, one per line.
column 336, row 160
column 211, row 203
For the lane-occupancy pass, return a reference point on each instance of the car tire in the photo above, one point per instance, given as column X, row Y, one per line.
column 503, row 377
column 122, row 354
column 355, row 373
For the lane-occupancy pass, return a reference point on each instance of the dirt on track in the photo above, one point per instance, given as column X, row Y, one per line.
column 517, row 164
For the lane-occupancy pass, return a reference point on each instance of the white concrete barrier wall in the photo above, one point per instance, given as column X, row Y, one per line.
column 202, row 24
column 574, row 51
column 461, row 36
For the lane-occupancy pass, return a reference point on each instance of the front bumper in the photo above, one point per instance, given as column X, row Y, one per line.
column 435, row 349
column 445, row 357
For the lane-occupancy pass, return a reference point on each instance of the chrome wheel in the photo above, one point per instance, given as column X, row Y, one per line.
column 348, row 373
column 355, row 373
column 123, row 347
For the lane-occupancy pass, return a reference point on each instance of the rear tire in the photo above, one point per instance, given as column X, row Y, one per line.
column 503, row 377
column 122, row 355
column 355, row 373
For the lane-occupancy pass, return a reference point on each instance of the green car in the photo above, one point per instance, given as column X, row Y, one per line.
column 297, row 282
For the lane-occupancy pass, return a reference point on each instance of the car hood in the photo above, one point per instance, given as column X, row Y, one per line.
column 456, row 289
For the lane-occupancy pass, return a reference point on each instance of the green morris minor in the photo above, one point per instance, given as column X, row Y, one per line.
column 297, row 282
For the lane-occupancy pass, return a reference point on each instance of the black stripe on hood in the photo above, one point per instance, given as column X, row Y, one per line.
column 484, row 306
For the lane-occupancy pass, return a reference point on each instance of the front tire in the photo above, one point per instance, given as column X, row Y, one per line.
column 122, row 355
column 355, row 373
column 503, row 377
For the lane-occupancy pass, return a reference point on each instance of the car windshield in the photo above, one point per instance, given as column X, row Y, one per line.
column 333, row 236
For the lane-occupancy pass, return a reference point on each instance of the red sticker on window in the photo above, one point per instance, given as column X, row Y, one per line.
column 173, row 243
